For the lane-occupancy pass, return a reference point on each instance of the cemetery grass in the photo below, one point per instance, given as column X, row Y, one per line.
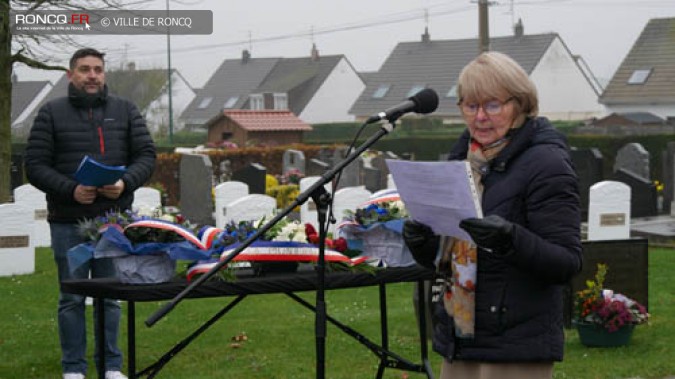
column 280, row 334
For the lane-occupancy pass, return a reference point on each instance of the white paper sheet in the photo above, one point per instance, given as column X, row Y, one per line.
column 438, row 194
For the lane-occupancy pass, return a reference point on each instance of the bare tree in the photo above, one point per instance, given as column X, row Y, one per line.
column 34, row 51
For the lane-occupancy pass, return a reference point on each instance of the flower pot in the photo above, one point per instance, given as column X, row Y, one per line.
column 593, row 335
column 145, row 269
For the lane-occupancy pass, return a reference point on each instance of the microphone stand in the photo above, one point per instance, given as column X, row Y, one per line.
column 322, row 199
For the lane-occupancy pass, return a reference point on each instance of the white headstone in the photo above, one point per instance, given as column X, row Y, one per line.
column 390, row 181
column 147, row 197
column 36, row 203
column 226, row 193
column 17, row 253
column 249, row 207
column 609, row 211
column 349, row 198
column 308, row 209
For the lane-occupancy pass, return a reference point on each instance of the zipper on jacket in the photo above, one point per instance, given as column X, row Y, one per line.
column 101, row 140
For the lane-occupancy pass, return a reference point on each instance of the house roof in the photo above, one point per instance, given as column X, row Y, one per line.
column 266, row 120
column 236, row 79
column 23, row 93
column 437, row 64
column 140, row 86
column 647, row 74
column 641, row 118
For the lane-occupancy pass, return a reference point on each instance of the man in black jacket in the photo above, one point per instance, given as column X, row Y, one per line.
column 112, row 131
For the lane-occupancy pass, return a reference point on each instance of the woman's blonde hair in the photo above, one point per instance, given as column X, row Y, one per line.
column 492, row 75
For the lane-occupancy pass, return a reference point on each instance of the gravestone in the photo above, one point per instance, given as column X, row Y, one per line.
column 293, row 160
column 308, row 212
column 349, row 198
column 633, row 158
column 609, row 211
column 588, row 166
column 644, row 201
column 226, row 193
column 668, row 170
column 249, row 208
column 196, row 185
column 379, row 162
column 16, row 171
column 627, row 263
column 252, row 175
column 225, row 168
column 316, row 167
column 36, row 202
column 372, row 179
column 147, row 197
column 352, row 174
column 17, row 252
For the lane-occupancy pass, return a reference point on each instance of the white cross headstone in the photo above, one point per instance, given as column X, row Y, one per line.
column 609, row 211
column 36, row 203
column 226, row 193
column 147, row 197
column 348, row 198
column 17, row 253
column 249, row 207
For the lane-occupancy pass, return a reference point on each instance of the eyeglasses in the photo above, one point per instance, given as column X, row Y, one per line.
column 492, row 107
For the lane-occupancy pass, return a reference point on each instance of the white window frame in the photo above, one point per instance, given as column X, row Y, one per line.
column 256, row 101
column 231, row 102
column 381, row 91
column 205, row 102
column 280, row 101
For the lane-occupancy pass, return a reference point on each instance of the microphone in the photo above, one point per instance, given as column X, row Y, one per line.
column 424, row 101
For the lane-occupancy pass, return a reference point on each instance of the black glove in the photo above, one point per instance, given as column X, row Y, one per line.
column 491, row 232
column 421, row 241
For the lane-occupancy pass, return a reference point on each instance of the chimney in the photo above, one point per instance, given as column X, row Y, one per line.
column 15, row 78
column 426, row 37
column 518, row 29
column 314, row 53
column 245, row 56
column 131, row 66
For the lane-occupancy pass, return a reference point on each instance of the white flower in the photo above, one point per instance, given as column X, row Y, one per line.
column 293, row 231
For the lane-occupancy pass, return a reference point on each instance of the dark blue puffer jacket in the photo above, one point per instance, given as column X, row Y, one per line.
column 111, row 131
column 519, row 305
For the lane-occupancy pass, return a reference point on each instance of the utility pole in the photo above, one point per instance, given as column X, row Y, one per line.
column 168, row 74
column 483, row 26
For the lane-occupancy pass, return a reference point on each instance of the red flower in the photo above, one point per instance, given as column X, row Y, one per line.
column 340, row 244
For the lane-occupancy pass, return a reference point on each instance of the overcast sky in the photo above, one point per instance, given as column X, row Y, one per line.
column 366, row 31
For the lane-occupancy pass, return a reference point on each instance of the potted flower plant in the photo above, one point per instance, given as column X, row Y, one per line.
column 603, row 317
column 375, row 228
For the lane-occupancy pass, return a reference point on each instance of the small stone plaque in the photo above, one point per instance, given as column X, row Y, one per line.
column 13, row 241
column 40, row 214
column 612, row 219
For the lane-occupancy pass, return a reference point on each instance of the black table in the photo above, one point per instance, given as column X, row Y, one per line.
column 246, row 284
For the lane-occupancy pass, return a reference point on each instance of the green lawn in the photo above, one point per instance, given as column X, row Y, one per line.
column 281, row 334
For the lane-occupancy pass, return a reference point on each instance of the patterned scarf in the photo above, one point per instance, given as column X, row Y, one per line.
column 459, row 257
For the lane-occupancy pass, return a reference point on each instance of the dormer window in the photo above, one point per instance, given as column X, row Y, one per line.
column 639, row 76
column 381, row 91
column 256, row 101
column 205, row 102
column 231, row 102
column 280, row 101
column 415, row 89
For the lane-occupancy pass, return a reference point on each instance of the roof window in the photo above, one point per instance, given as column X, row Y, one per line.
column 415, row 89
column 231, row 101
column 639, row 76
column 205, row 102
column 381, row 91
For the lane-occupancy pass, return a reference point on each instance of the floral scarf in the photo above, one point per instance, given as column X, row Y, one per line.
column 459, row 257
